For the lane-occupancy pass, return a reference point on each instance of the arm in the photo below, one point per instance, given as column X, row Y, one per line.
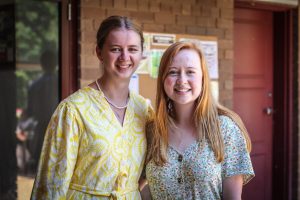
column 144, row 189
column 58, row 156
column 237, row 167
column 232, row 188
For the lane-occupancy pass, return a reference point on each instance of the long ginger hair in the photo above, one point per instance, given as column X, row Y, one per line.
column 206, row 115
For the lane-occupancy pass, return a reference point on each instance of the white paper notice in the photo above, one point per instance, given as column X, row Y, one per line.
column 134, row 83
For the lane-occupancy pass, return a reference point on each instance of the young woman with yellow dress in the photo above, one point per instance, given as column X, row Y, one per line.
column 95, row 145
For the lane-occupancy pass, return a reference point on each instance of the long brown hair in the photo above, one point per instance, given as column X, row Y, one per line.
column 206, row 115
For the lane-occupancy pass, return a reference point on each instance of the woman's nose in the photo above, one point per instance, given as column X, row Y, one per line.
column 124, row 55
column 181, row 78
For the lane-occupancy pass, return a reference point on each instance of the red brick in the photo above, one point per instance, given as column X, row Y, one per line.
column 206, row 12
column 88, row 36
column 119, row 4
column 228, row 34
column 186, row 9
column 146, row 17
column 228, row 54
column 225, row 44
column 221, row 53
column 206, row 22
column 89, row 61
column 86, row 24
column 226, row 13
column 215, row 12
column 228, row 85
column 225, row 4
column 207, row 3
column 153, row 27
column 90, row 74
column 106, row 3
column 117, row 12
column 143, row 5
column 196, row 10
column 132, row 5
column 196, row 30
column 164, row 18
column 88, row 48
column 93, row 3
column 172, row 28
column 186, row 20
column 154, row 6
column 166, row 6
column 226, row 66
column 177, row 8
column 97, row 23
column 219, row 33
column 92, row 13
column 224, row 23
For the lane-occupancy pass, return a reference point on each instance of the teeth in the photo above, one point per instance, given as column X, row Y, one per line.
column 182, row 90
column 124, row 66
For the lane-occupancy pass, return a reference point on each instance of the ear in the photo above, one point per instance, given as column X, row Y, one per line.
column 98, row 52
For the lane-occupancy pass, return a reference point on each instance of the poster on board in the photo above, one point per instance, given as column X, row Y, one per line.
column 156, row 43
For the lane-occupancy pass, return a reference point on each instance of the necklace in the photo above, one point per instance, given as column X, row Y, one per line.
column 109, row 101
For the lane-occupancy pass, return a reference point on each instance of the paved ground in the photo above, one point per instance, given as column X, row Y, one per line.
column 24, row 187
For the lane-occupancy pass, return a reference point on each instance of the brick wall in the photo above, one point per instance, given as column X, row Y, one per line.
column 196, row 17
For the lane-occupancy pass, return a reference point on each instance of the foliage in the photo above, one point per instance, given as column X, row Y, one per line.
column 36, row 29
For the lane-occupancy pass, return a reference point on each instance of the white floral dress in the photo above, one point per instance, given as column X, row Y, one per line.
column 196, row 174
column 87, row 154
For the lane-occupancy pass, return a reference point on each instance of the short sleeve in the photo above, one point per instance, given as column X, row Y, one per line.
column 58, row 156
column 236, row 159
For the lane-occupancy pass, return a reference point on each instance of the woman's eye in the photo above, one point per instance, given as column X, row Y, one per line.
column 116, row 49
column 190, row 72
column 172, row 72
column 133, row 50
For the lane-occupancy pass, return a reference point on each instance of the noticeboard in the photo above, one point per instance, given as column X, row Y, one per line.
column 156, row 43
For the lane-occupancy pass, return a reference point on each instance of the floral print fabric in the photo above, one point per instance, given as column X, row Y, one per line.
column 87, row 154
column 196, row 174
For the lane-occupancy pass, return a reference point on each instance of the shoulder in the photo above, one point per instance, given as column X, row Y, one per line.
column 79, row 95
column 140, row 101
column 229, row 128
column 226, row 122
column 76, row 100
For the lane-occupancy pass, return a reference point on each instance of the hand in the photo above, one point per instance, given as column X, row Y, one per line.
column 21, row 135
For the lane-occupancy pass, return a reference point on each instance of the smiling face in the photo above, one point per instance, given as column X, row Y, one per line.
column 121, row 53
column 183, row 82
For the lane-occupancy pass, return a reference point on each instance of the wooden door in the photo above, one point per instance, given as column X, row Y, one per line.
column 253, row 92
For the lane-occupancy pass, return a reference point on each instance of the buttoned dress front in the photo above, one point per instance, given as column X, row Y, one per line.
column 87, row 154
column 195, row 173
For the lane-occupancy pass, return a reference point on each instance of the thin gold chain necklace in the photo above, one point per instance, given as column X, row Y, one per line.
column 109, row 101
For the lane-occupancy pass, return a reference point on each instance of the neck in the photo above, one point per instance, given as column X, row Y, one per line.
column 116, row 95
column 184, row 115
column 116, row 91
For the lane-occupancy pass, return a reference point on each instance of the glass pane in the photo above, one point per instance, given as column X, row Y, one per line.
column 29, row 36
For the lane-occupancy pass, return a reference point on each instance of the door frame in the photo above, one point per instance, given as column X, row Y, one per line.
column 69, row 47
column 285, row 118
column 285, row 148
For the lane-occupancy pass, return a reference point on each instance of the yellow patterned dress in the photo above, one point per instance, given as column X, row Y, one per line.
column 88, row 154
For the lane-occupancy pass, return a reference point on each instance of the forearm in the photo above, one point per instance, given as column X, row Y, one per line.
column 145, row 192
column 232, row 188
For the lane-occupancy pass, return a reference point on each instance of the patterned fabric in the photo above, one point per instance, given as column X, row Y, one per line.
column 196, row 174
column 87, row 154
